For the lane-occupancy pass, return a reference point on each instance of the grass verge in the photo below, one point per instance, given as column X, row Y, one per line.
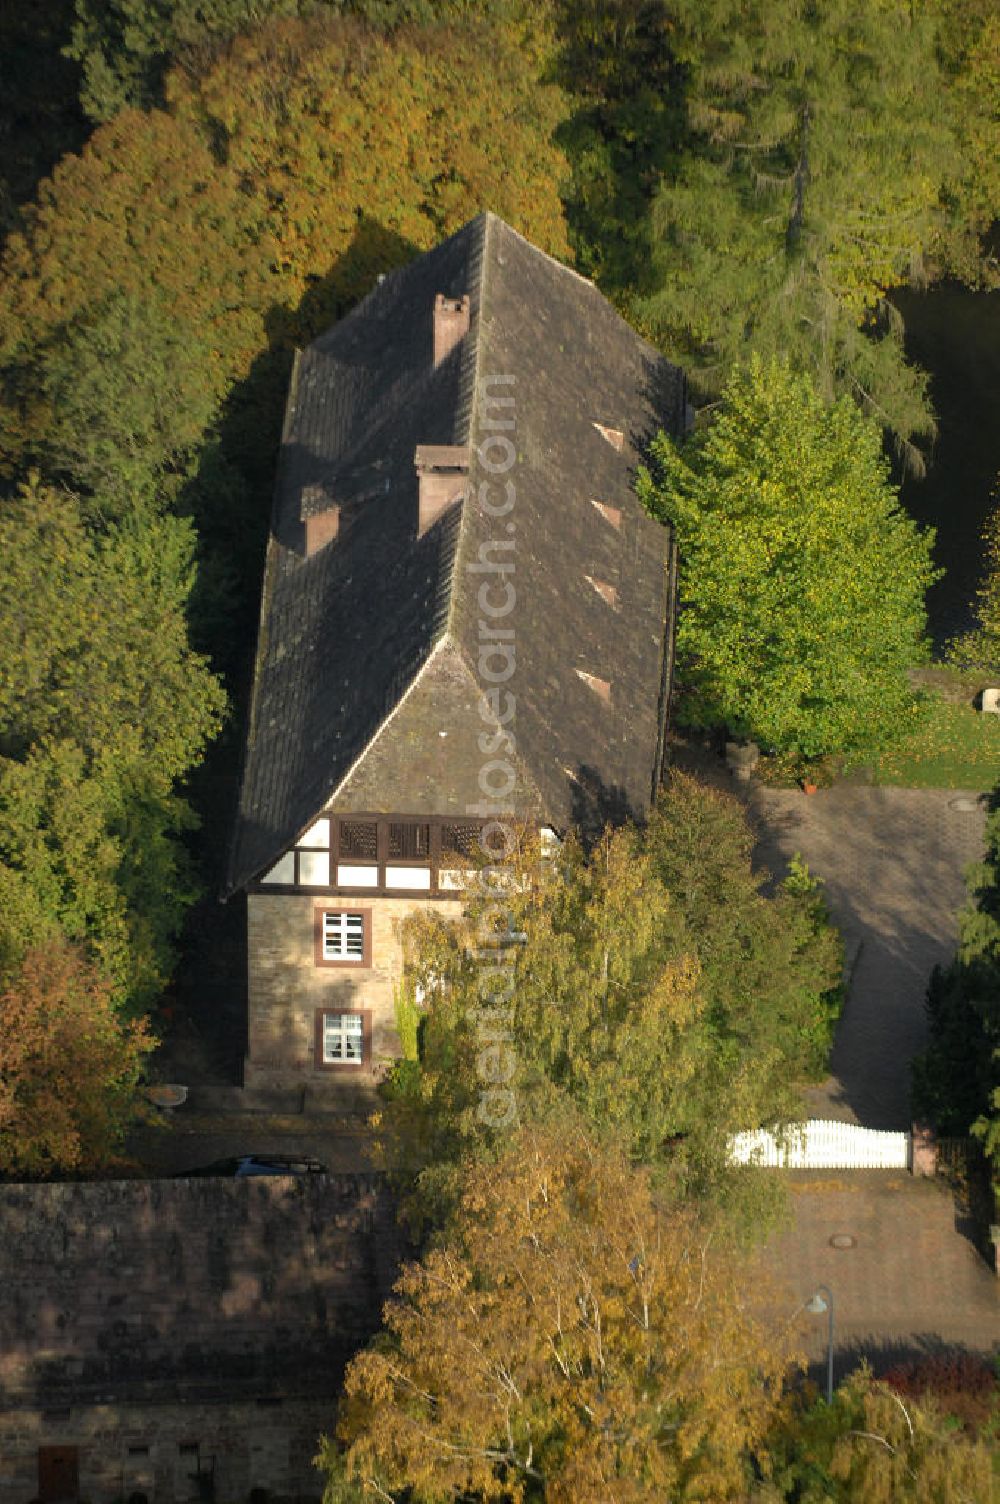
column 954, row 747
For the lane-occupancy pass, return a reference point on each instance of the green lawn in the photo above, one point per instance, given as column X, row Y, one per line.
column 955, row 747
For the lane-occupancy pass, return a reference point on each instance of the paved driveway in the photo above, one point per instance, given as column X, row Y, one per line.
column 893, row 863
column 909, row 1282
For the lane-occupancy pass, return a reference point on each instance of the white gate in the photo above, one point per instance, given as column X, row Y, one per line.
column 819, row 1145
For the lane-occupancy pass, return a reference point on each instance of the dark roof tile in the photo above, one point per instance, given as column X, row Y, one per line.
column 345, row 634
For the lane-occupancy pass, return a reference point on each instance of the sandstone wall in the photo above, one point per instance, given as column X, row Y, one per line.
column 171, row 1453
column 286, row 987
column 154, row 1324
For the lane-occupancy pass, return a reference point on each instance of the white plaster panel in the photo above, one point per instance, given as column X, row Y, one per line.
column 354, row 876
column 314, row 869
column 283, row 871
column 317, row 835
column 415, row 879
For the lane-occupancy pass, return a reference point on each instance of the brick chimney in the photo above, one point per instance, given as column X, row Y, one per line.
column 451, row 323
column 442, row 477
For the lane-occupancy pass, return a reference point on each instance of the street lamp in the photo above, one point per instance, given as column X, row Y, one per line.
column 816, row 1305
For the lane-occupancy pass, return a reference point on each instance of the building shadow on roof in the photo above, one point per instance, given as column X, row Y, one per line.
column 596, row 804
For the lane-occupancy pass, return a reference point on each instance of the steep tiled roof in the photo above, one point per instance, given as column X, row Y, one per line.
column 348, row 709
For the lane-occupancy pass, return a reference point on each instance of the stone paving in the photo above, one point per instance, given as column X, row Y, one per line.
column 893, row 862
column 911, row 1283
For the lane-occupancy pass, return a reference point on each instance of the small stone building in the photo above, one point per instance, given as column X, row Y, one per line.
column 466, row 617
column 181, row 1341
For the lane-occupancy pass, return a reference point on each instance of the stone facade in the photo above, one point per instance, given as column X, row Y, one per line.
column 182, row 1339
column 286, row 988
column 167, row 1453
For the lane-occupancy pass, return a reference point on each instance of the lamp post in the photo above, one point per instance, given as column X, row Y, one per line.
column 822, row 1301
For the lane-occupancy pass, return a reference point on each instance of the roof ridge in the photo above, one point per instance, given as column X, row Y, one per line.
column 469, row 358
column 572, row 272
column 407, row 391
column 470, row 374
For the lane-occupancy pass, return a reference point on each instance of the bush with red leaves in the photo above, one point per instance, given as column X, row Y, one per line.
column 963, row 1385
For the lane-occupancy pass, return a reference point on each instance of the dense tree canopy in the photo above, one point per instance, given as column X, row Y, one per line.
column 656, row 989
column 810, row 181
column 95, row 638
column 757, row 178
column 69, row 1066
column 802, row 580
column 562, row 1344
column 103, row 707
column 125, row 47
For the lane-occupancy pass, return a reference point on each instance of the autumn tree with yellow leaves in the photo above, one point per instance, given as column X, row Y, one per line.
column 570, row 1339
column 69, row 1065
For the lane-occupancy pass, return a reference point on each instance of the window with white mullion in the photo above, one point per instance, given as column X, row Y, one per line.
column 344, row 937
column 343, row 1038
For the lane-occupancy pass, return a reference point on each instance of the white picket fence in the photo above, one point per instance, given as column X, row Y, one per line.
column 819, row 1145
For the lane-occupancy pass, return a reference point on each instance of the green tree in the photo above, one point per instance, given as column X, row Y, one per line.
column 810, row 181
column 127, row 405
column 655, row 988
column 124, row 47
column 103, row 708
column 92, row 853
column 969, row 48
column 624, row 131
column 956, row 1080
column 69, row 1066
column 562, row 1344
column 770, row 969
column 598, row 1006
column 871, row 1446
column 802, row 580
column 95, row 636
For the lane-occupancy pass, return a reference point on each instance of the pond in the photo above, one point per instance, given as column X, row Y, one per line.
column 955, row 335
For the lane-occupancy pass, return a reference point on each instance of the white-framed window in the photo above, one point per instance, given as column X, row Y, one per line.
column 343, row 1039
column 343, row 936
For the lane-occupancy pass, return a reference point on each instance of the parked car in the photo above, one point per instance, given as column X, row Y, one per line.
column 257, row 1164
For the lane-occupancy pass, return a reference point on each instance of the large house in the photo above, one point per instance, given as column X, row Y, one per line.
column 464, row 611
